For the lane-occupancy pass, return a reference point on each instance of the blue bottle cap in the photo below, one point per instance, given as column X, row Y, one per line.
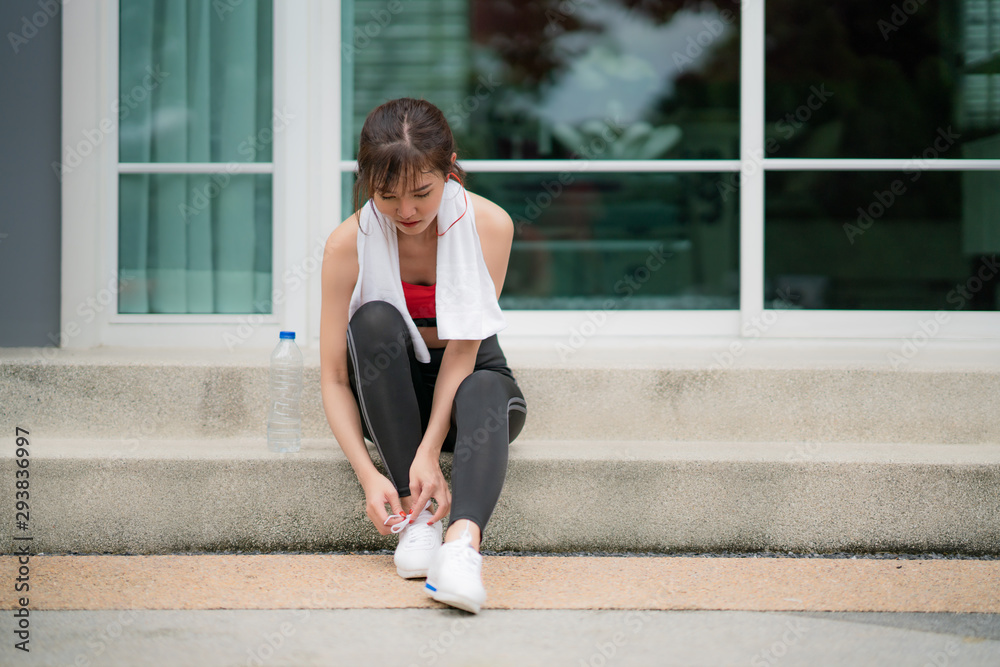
column 287, row 334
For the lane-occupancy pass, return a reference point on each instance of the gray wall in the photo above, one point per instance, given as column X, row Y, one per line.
column 30, row 98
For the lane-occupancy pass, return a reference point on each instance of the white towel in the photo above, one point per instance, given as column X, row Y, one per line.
column 465, row 296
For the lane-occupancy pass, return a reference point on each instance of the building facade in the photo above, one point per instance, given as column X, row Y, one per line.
column 673, row 168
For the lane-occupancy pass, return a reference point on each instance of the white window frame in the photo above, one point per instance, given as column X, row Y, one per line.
column 90, row 191
column 307, row 204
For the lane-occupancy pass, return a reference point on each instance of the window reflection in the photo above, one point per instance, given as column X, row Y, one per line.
column 656, row 241
column 538, row 80
column 897, row 75
column 885, row 240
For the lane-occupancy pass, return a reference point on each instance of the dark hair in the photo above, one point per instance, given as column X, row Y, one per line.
column 401, row 139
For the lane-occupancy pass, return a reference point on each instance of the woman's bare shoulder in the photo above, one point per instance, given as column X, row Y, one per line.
column 491, row 219
column 340, row 256
column 343, row 241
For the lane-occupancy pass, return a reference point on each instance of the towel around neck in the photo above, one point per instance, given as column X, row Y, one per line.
column 465, row 296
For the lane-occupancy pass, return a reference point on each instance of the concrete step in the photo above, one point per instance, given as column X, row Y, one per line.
column 162, row 496
column 714, row 390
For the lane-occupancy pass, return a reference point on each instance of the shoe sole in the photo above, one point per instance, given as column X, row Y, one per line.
column 463, row 603
column 411, row 574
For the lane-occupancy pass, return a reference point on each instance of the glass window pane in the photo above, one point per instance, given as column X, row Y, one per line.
column 642, row 241
column 195, row 81
column 195, row 86
column 581, row 239
column 885, row 79
column 530, row 80
column 883, row 240
column 197, row 243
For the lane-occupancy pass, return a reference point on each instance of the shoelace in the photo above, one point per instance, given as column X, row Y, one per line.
column 421, row 520
column 466, row 559
column 420, row 535
column 399, row 527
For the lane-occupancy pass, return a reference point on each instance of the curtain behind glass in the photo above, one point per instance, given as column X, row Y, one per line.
column 195, row 86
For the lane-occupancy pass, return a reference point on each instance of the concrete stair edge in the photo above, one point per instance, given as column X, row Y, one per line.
column 88, row 496
column 642, row 403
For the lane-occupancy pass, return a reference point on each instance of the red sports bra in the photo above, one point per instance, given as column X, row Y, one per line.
column 420, row 304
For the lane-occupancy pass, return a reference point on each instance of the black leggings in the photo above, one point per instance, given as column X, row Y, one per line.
column 394, row 392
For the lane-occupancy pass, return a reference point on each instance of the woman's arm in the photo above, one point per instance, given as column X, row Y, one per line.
column 340, row 273
column 496, row 232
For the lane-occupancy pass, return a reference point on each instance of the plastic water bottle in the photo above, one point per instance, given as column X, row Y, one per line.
column 284, row 421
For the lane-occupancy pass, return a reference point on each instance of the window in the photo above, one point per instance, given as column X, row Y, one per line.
column 603, row 127
column 195, row 157
column 887, row 113
column 802, row 170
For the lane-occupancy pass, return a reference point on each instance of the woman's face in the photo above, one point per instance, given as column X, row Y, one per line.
column 414, row 205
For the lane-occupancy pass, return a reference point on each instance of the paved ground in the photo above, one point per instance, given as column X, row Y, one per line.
column 523, row 638
column 320, row 609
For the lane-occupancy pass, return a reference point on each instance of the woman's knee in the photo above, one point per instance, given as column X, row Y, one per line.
column 379, row 324
column 377, row 316
column 487, row 404
column 482, row 388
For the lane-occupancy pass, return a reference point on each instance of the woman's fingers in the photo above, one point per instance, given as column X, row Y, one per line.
column 438, row 491
column 444, row 506
column 396, row 506
column 426, row 493
column 377, row 501
column 398, row 515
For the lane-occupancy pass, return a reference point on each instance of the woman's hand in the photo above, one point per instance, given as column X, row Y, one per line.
column 379, row 491
column 426, row 482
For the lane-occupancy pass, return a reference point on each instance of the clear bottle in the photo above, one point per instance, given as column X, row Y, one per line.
column 284, row 420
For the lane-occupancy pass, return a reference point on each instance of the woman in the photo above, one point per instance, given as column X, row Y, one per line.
column 408, row 347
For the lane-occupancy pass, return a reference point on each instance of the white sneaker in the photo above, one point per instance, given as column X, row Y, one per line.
column 456, row 575
column 418, row 544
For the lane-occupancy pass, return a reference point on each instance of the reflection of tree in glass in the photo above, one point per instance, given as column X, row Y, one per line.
column 539, row 48
column 521, row 33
